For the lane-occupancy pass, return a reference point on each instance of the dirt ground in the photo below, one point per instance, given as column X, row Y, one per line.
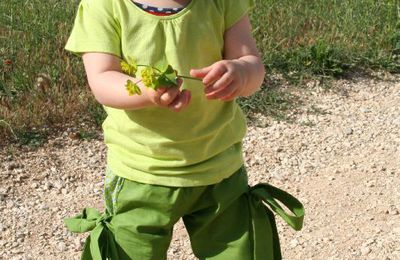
column 340, row 155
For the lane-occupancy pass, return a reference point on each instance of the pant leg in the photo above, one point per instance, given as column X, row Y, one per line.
column 143, row 216
column 219, row 227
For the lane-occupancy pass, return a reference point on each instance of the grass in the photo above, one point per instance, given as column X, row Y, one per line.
column 42, row 85
column 328, row 38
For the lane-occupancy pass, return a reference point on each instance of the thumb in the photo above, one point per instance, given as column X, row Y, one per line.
column 200, row 73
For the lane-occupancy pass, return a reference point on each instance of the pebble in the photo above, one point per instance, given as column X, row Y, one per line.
column 46, row 186
column 294, row 243
column 13, row 166
column 61, row 246
column 44, row 207
column 365, row 251
column 392, row 210
column 10, row 204
column 349, row 131
column 2, row 196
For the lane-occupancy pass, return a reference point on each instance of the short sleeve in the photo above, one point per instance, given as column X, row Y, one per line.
column 235, row 10
column 95, row 29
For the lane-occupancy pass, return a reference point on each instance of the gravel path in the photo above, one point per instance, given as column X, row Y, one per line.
column 340, row 156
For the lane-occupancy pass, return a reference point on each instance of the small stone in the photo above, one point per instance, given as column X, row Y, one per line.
column 293, row 243
column 58, row 185
column 370, row 184
column 10, row 204
column 392, row 210
column 365, row 251
column 2, row 197
column 370, row 241
column 74, row 135
column 13, row 166
column 47, row 186
column 365, row 110
column 61, row 246
column 78, row 243
column 349, row 131
column 44, row 207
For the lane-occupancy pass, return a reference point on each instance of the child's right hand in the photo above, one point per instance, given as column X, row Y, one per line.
column 172, row 97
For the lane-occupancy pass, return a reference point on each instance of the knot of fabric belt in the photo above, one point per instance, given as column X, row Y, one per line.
column 100, row 244
column 263, row 201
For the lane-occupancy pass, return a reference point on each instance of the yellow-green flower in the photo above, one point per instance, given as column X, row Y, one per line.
column 129, row 69
column 132, row 88
column 149, row 77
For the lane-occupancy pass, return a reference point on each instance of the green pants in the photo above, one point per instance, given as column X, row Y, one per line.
column 226, row 220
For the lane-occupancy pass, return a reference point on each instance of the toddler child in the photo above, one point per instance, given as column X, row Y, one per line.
column 176, row 151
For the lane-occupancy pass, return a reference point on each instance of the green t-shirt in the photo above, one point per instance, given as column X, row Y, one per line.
column 200, row 145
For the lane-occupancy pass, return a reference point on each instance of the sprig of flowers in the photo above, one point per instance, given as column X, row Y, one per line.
column 161, row 75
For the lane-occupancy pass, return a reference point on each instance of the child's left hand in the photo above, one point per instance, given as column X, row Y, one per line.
column 224, row 80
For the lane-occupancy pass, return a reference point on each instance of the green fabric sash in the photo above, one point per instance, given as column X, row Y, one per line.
column 101, row 243
column 264, row 235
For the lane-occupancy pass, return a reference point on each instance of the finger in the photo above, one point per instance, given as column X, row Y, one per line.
column 232, row 96
column 221, row 83
column 181, row 101
column 168, row 96
column 225, row 92
column 215, row 73
column 155, row 95
column 159, row 91
column 200, row 73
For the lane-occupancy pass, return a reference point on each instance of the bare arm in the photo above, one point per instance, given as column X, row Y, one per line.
column 107, row 83
column 241, row 73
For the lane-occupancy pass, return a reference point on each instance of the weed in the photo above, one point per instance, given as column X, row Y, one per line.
column 307, row 123
column 87, row 135
column 314, row 110
column 32, row 138
column 327, row 38
column 272, row 102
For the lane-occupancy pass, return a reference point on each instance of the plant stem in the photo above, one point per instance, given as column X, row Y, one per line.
column 180, row 76
column 187, row 77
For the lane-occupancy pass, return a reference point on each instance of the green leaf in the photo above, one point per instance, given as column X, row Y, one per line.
column 168, row 77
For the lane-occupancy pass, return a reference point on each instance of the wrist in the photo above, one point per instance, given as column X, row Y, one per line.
column 243, row 74
column 254, row 73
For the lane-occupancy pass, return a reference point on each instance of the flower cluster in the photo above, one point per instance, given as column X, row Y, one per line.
column 149, row 77
column 129, row 69
column 152, row 76
column 132, row 88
